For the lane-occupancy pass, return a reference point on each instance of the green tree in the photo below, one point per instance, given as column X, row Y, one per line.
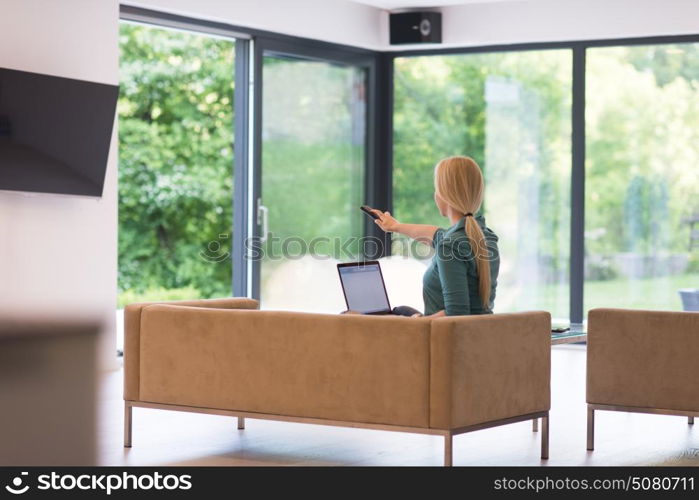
column 175, row 162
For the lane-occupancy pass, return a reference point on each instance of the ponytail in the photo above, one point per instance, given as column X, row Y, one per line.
column 458, row 181
column 480, row 250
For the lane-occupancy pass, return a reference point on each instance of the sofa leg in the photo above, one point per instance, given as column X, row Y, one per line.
column 590, row 428
column 127, row 424
column 535, row 425
column 448, row 445
column 241, row 422
column 545, row 437
column 690, row 420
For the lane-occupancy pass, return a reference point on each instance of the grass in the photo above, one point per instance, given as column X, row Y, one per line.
column 156, row 295
column 649, row 293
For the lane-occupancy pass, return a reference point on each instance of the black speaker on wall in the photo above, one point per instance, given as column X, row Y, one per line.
column 416, row 27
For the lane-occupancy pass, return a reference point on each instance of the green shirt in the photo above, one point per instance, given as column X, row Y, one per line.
column 451, row 280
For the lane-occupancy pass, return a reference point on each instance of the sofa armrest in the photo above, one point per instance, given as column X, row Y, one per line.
column 132, row 333
column 489, row 367
column 643, row 358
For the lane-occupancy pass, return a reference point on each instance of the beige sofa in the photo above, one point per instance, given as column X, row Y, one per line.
column 642, row 361
column 440, row 376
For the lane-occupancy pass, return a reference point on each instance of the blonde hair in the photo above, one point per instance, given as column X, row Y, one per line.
column 458, row 180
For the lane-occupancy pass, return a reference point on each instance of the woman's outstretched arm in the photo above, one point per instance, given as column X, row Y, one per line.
column 419, row 232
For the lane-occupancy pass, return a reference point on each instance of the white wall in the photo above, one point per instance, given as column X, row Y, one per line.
column 471, row 24
column 338, row 21
column 524, row 21
column 58, row 254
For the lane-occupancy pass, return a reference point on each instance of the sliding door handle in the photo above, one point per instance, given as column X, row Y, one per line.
column 262, row 220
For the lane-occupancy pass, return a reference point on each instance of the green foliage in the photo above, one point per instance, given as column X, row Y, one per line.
column 433, row 118
column 642, row 113
column 312, row 152
column 642, row 133
column 441, row 109
column 600, row 269
column 317, row 172
column 693, row 265
column 667, row 62
column 512, row 113
column 175, row 163
column 157, row 294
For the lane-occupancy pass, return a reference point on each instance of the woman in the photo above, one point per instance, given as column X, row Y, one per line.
column 462, row 276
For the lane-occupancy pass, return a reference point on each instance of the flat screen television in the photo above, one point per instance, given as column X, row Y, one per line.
column 54, row 133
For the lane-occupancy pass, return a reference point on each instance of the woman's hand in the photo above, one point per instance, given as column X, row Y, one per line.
column 386, row 221
column 419, row 232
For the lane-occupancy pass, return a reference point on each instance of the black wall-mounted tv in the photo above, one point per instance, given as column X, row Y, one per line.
column 54, row 133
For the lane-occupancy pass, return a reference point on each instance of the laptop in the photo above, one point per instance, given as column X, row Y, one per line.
column 364, row 288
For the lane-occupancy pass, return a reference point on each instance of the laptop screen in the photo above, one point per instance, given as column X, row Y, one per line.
column 364, row 287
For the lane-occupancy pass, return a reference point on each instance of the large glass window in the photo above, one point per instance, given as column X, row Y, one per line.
column 511, row 112
column 175, row 164
column 642, row 181
column 313, row 162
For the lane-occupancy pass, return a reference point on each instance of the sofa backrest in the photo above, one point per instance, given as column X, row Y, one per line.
column 643, row 358
column 334, row 367
column 441, row 373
